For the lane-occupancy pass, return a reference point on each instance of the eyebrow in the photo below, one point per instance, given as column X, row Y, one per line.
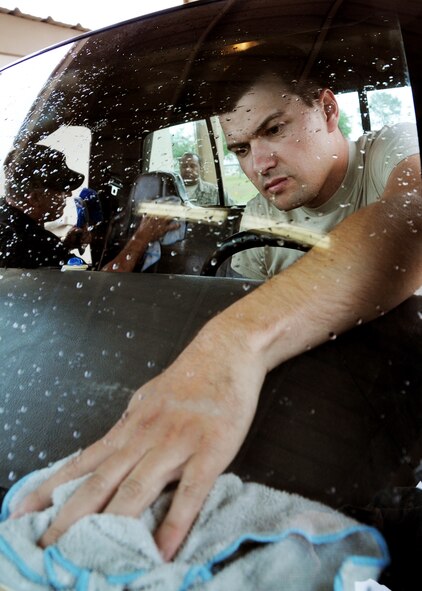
column 257, row 131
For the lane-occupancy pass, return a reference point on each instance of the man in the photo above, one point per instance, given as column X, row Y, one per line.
column 200, row 192
column 188, row 423
column 308, row 175
column 38, row 181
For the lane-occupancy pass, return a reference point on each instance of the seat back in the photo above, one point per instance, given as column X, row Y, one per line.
column 149, row 186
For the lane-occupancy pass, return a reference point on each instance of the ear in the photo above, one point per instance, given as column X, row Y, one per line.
column 33, row 204
column 330, row 108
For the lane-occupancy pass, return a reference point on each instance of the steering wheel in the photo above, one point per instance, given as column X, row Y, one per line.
column 243, row 241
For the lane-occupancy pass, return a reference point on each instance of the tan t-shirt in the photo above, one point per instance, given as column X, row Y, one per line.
column 371, row 160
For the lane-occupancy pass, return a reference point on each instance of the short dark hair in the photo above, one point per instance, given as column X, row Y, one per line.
column 190, row 155
column 226, row 79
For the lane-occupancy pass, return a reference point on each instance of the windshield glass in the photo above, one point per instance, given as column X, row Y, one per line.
column 141, row 121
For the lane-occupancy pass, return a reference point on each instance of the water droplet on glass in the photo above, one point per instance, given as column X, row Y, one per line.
column 130, row 334
column 79, row 285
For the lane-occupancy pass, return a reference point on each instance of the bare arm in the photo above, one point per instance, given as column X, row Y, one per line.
column 374, row 262
column 188, row 423
column 150, row 229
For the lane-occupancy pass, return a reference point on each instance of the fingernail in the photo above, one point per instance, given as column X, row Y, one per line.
column 165, row 554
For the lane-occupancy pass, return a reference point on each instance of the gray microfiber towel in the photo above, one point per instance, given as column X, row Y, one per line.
column 247, row 537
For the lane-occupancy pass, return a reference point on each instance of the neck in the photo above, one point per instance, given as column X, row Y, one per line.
column 191, row 183
column 337, row 172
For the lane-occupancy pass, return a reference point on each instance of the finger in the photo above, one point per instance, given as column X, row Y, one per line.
column 158, row 467
column 76, row 467
column 81, row 464
column 174, row 226
column 198, row 479
column 94, row 494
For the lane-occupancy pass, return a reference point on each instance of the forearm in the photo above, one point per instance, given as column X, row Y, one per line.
column 129, row 256
column 373, row 263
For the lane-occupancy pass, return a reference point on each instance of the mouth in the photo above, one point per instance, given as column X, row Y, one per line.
column 276, row 185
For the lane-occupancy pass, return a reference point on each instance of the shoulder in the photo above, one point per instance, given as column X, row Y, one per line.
column 206, row 187
column 384, row 149
column 399, row 140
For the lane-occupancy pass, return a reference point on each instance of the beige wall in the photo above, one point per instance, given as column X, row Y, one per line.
column 20, row 36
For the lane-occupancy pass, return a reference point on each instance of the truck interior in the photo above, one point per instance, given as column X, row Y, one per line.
column 130, row 98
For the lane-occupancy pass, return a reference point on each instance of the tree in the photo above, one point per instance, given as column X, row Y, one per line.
column 345, row 124
column 384, row 108
column 183, row 141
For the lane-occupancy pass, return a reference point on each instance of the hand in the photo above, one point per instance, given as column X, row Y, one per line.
column 77, row 238
column 185, row 425
column 152, row 228
column 149, row 230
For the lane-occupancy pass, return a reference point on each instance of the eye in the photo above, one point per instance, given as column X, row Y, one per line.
column 275, row 129
column 241, row 151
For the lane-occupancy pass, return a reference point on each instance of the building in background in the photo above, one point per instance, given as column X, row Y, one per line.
column 23, row 34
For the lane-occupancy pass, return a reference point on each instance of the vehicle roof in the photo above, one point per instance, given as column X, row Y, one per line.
column 354, row 46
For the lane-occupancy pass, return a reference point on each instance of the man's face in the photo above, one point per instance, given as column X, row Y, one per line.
column 190, row 170
column 285, row 147
column 53, row 204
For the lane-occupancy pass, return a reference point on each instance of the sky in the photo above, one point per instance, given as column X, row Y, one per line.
column 89, row 14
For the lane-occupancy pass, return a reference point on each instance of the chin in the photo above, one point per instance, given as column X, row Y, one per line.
column 283, row 203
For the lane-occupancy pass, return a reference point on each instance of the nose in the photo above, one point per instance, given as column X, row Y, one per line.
column 264, row 158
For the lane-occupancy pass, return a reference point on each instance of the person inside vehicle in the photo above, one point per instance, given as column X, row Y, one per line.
column 308, row 176
column 200, row 192
column 149, row 230
column 188, row 423
column 38, row 181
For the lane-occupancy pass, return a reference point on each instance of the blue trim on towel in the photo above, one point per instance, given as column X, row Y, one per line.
column 52, row 556
column 5, row 511
column 21, row 566
column 204, row 572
